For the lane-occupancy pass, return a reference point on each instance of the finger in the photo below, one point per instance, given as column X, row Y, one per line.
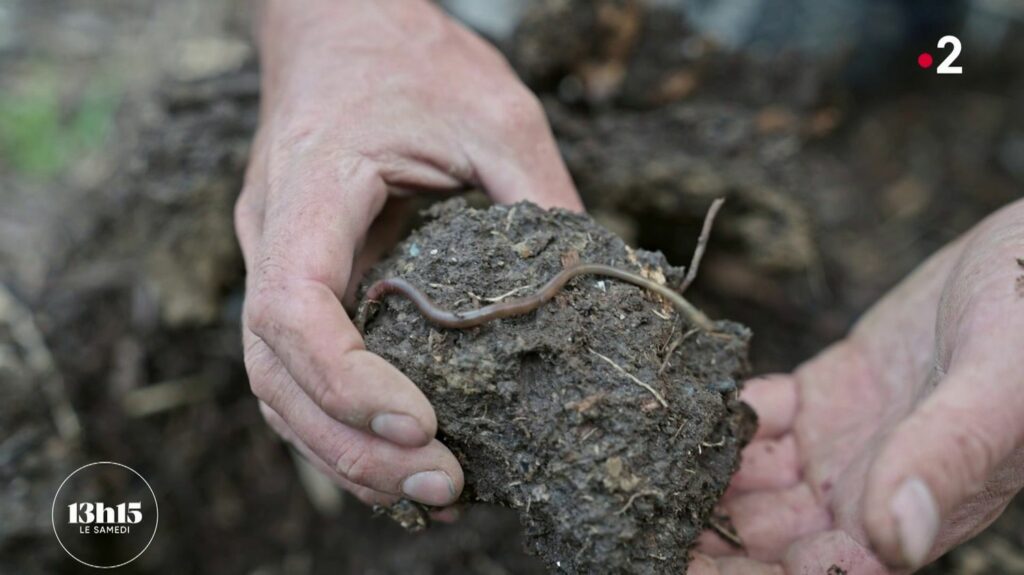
column 293, row 306
column 381, row 238
column 954, row 449
column 364, row 494
column 746, row 566
column 320, row 347
column 713, row 545
column 428, row 474
column 939, row 457
column 832, row 552
column 766, row 464
column 249, row 206
column 248, row 222
column 449, row 514
column 526, row 164
column 701, row 564
column 774, row 398
column 767, row 522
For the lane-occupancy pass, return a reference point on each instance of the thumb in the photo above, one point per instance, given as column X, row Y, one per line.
column 943, row 473
column 942, row 455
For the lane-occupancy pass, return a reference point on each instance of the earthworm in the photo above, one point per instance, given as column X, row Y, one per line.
column 519, row 306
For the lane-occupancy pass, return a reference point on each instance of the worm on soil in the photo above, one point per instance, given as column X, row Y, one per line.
column 519, row 306
column 472, row 318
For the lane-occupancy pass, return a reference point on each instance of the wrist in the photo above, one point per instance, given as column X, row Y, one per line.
column 310, row 34
column 285, row 25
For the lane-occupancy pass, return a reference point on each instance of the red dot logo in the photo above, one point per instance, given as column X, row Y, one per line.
column 924, row 60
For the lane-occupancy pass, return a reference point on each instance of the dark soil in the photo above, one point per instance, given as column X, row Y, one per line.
column 605, row 477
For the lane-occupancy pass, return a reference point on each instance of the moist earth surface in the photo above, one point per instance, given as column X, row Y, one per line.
column 605, row 417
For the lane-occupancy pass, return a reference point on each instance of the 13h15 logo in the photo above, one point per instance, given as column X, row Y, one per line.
column 98, row 518
column 105, row 515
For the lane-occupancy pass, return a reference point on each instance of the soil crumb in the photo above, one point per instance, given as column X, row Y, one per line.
column 552, row 413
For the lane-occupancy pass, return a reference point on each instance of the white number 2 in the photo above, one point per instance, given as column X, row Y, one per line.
column 945, row 67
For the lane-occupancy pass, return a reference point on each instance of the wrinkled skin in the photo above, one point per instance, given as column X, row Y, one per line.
column 363, row 101
column 899, row 442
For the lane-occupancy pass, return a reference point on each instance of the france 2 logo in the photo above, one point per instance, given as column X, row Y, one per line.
column 925, row 60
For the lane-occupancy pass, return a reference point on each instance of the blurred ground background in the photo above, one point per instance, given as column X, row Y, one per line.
column 124, row 128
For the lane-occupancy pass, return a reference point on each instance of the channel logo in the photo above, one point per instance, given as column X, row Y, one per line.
column 925, row 60
column 105, row 515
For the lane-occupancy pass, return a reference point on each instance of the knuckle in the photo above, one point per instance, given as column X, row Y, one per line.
column 265, row 306
column 270, row 415
column 263, row 372
column 340, row 397
column 333, row 399
column 259, row 309
column 979, row 447
column 260, row 385
column 245, row 209
column 519, row 110
column 277, row 423
column 255, row 365
column 302, row 132
column 355, row 463
column 265, row 388
column 371, row 497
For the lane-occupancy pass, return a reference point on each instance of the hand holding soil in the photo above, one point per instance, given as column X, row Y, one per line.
column 903, row 439
column 876, row 450
column 358, row 104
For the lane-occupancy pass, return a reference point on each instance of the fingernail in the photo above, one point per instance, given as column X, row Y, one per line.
column 401, row 429
column 430, row 487
column 917, row 520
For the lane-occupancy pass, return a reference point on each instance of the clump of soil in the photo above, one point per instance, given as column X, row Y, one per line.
column 556, row 413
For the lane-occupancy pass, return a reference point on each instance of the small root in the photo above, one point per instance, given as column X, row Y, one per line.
column 718, row 443
column 702, row 242
column 703, row 444
column 668, row 355
column 634, row 497
column 632, row 377
column 726, row 532
column 498, row 298
column 678, row 431
column 672, row 348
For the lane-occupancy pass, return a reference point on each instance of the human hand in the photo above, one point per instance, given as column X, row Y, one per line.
column 899, row 442
column 362, row 100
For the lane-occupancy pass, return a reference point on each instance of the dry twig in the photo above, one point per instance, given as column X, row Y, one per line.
column 726, row 532
column 702, row 242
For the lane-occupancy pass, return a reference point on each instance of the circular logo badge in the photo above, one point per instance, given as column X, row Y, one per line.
column 105, row 515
